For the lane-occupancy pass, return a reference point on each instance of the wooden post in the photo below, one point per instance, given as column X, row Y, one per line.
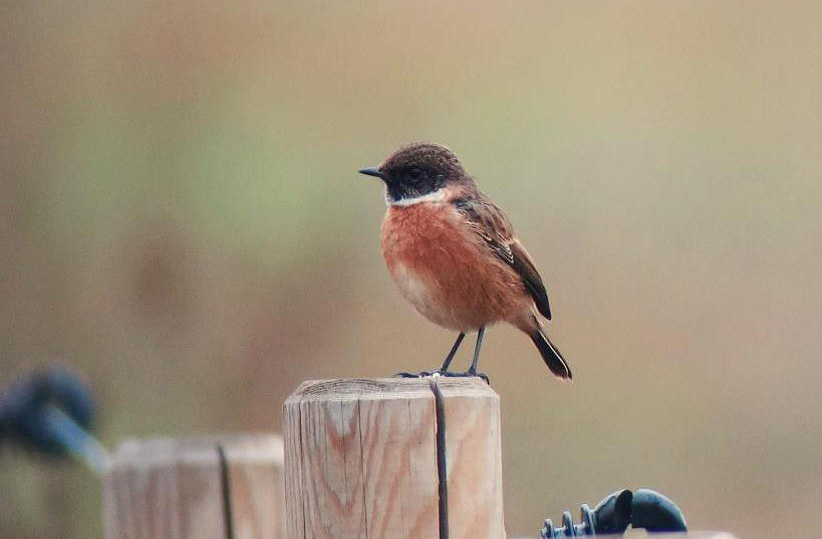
column 393, row 458
column 207, row 488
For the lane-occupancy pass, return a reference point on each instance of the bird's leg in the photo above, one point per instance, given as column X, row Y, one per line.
column 445, row 364
column 451, row 354
column 474, row 362
column 472, row 370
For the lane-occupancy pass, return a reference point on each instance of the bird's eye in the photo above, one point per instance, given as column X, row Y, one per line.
column 414, row 173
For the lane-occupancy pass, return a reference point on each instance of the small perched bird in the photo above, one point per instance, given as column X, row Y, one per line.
column 454, row 255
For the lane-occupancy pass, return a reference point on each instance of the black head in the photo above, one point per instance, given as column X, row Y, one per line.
column 418, row 169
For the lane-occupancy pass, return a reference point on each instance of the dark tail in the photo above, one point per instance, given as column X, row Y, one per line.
column 551, row 355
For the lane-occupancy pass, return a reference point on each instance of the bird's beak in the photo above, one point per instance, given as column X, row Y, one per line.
column 372, row 171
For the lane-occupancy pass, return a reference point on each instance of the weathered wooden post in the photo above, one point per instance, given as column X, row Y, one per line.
column 207, row 488
column 393, row 458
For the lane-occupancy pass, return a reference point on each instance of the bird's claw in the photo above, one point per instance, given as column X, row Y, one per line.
column 423, row 374
column 446, row 374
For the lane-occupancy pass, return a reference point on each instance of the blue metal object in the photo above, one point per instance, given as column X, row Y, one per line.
column 656, row 512
column 51, row 412
column 644, row 508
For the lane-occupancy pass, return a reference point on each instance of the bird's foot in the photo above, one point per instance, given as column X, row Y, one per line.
column 468, row 374
column 445, row 374
column 423, row 374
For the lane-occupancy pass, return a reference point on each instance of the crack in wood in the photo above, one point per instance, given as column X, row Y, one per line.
column 442, row 472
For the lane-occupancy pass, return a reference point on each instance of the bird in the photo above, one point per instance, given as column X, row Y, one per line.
column 454, row 255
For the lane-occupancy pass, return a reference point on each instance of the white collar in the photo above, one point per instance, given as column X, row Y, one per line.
column 434, row 196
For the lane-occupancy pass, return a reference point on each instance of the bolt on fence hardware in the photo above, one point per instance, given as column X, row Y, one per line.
column 643, row 508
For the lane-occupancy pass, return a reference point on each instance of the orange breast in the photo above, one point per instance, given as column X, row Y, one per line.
column 446, row 271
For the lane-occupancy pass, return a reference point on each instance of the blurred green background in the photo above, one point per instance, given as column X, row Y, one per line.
column 181, row 221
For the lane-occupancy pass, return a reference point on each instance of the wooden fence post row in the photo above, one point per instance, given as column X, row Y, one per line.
column 206, row 488
column 399, row 458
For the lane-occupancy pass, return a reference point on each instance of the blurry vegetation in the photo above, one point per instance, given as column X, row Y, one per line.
column 180, row 219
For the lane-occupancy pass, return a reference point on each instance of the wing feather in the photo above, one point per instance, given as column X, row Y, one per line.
column 524, row 266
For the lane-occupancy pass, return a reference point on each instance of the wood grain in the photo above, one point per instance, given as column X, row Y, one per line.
column 181, row 489
column 255, row 486
column 474, row 461
column 361, row 459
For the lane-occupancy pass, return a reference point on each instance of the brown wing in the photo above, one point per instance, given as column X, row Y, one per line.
column 524, row 266
column 488, row 220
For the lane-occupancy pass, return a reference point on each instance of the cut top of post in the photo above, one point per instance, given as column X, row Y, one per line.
column 379, row 388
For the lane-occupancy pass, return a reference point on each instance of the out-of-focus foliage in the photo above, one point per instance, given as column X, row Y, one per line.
column 180, row 219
